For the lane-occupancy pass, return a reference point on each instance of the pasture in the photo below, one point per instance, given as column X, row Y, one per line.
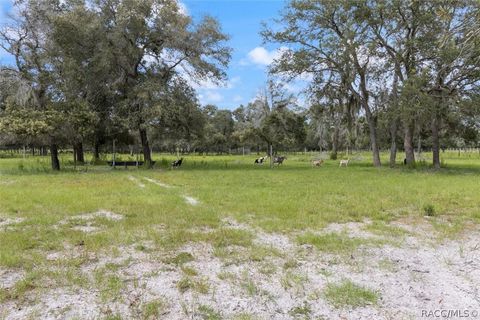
column 222, row 238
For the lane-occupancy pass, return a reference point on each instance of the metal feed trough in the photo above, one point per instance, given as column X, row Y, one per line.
column 127, row 163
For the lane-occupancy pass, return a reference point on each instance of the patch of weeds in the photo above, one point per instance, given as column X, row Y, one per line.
column 324, row 272
column 184, row 284
column 181, row 258
column 29, row 282
column 290, row 264
column 301, row 311
column 141, row 247
column 112, row 266
column 350, row 294
column 208, row 313
column 201, row 286
column 189, row 271
column 224, row 275
column 153, row 309
column 248, row 285
column 244, row 316
column 449, row 229
column 109, row 284
column 314, row 295
column 291, row 279
column 72, row 276
column 4, row 295
column 230, row 255
column 224, row 237
column 332, row 242
column 429, row 210
column 267, row 268
column 185, row 310
column 387, row 265
column 384, row 229
column 187, row 283
column 113, row 285
column 259, row 253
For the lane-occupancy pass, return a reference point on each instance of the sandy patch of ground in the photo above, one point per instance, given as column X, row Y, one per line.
column 158, row 183
column 8, row 277
column 86, row 222
column 136, row 181
column 8, row 222
column 7, row 182
column 417, row 274
column 99, row 214
column 188, row 199
column 191, row 200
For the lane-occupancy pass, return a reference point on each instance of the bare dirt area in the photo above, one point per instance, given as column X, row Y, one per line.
column 409, row 273
column 87, row 222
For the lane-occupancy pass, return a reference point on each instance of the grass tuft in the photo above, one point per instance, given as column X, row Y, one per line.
column 349, row 294
column 332, row 242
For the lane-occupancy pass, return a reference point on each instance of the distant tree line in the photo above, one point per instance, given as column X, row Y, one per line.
column 392, row 74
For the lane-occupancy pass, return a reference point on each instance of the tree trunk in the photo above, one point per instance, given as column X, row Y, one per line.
column 408, row 143
column 393, row 143
column 336, row 133
column 373, row 136
column 419, row 145
column 270, row 153
column 96, row 151
column 79, row 152
column 435, row 140
column 145, row 147
column 75, row 154
column 372, row 123
column 54, row 155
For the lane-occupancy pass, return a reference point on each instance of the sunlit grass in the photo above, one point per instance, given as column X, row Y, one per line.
column 294, row 198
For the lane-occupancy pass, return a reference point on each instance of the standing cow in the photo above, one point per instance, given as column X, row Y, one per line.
column 279, row 160
column 260, row 160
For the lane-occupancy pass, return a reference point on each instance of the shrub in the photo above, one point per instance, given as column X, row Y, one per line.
column 429, row 210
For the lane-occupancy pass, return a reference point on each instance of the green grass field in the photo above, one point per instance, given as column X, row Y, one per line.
column 41, row 210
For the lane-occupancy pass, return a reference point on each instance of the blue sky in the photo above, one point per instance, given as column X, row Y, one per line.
column 241, row 19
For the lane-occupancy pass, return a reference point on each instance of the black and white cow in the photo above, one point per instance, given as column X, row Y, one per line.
column 260, row 160
column 177, row 163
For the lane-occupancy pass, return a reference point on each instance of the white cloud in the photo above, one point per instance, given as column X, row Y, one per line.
column 262, row 56
column 208, row 84
column 210, row 96
column 237, row 98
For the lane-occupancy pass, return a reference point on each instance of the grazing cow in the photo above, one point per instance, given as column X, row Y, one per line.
column 317, row 163
column 344, row 163
column 177, row 163
column 260, row 160
column 279, row 160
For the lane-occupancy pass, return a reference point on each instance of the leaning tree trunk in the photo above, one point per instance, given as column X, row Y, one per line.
column 393, row 142
column 54, row 155
column 145, row 147
column 372, row 123
column 435, row 140
column 408, row 143
column 79, row 152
